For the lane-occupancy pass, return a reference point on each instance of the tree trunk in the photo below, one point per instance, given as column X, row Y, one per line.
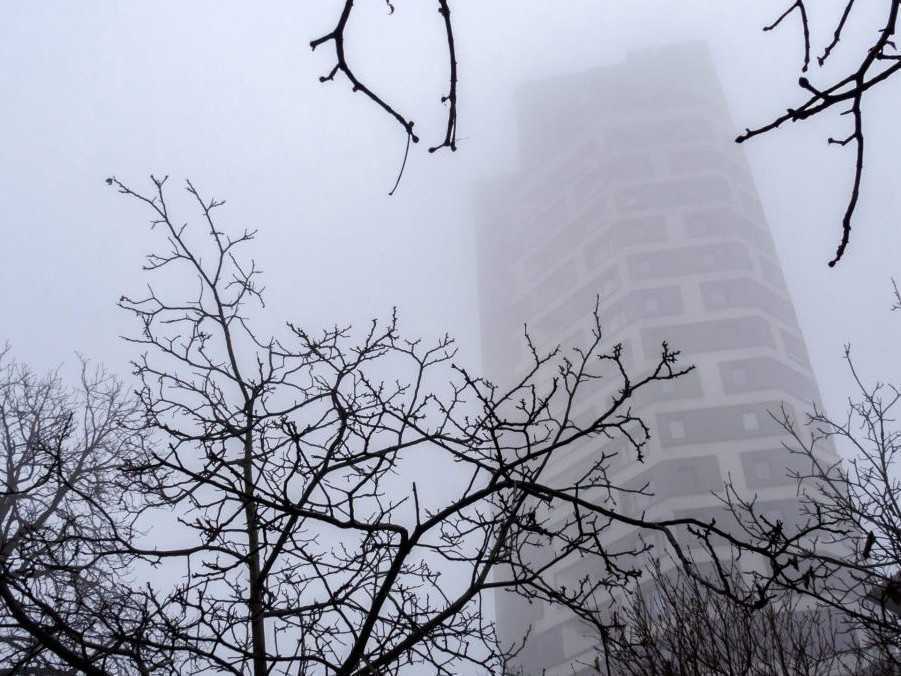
column 255, row 602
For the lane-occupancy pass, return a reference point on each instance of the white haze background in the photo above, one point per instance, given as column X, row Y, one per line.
column 227, row 94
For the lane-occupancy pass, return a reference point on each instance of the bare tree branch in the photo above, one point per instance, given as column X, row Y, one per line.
column 879, row 63
column 287, row 460
column 337, row 37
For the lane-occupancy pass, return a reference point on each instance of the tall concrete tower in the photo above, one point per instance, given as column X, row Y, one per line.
column 630, row 189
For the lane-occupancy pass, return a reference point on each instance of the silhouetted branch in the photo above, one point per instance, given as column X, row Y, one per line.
column 64, row 596
column 337, row 37
column 876, row 67
column 802, row 10
column 837, row 35
column 287, row 460
column 450, row 136
column 850, row 557
column 670, row 624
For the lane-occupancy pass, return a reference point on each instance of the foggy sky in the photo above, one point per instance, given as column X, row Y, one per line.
column 226, row 93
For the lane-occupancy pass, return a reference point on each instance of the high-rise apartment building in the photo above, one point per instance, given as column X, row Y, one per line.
column 630, row 189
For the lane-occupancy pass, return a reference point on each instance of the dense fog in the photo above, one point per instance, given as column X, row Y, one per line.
column 228, row 96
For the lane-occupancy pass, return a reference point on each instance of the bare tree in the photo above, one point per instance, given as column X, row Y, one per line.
column 64, row 593
column 850, row 560
column 315, row 543
column 672, row 625
column 305, row 537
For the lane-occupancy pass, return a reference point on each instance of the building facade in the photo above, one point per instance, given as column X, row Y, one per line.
column 630, row 190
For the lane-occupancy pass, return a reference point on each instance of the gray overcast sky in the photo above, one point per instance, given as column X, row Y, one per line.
column 226, row 93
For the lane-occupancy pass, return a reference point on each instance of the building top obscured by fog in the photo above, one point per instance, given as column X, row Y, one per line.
column 649, row 84
column 630, row 191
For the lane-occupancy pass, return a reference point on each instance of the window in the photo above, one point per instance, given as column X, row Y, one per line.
column 722, row 334
column 750, row 422
column 668, row 387
column 715, row 424
column 739, row 376
column 687, row 481
column 651, row 305
column 762, row 470
column 677, row 429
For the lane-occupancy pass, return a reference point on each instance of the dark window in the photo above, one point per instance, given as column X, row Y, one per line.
column 720, row 423
column 678, row 262
column 742, row 292
column 710, row 336
column 765, row 373
column 701, row 190
column 770, row 467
